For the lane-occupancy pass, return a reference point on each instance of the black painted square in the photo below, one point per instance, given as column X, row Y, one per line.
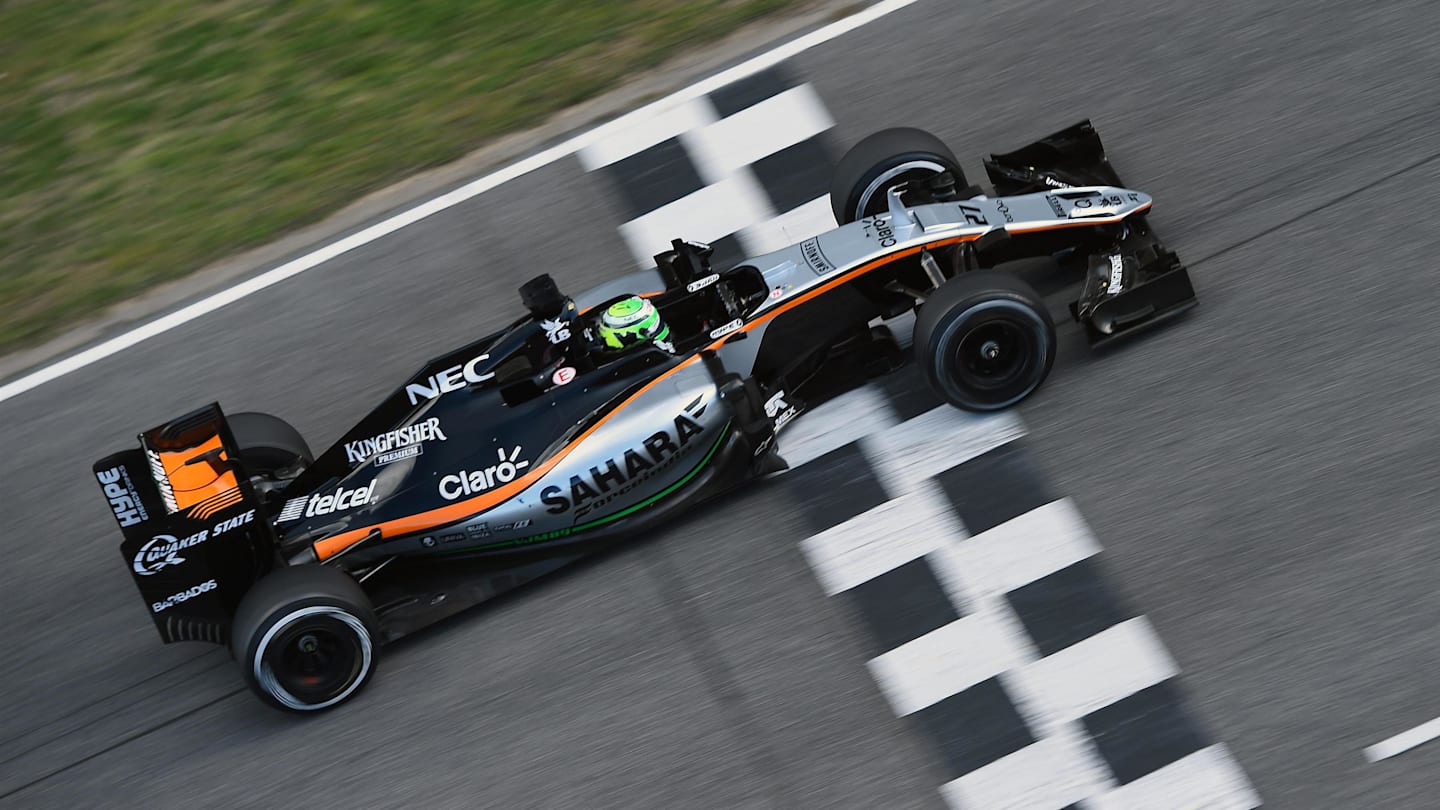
column 1144, row 732
column 749, row 91
column 975, row 727
column 908, row 394
column 902, row 605
column 993, row 488
column 1067, row 607
column 834, row 487
column 797, row 174
column 654, row 177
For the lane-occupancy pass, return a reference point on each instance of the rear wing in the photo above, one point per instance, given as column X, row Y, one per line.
column 195, row 536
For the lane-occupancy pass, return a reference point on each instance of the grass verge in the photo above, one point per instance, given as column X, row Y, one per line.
column 140, row 141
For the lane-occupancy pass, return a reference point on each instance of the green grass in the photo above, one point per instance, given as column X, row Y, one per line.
column 142, row 139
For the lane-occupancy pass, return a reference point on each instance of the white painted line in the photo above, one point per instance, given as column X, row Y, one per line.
column 1208, row 779
column 935, row 441
column 782, row 120
column 835, row 423
column 796, row 225
column 886, row 537
column 1404, row 741
column 1019, row 551
column 643, row 133
column 1049, row 774
column 1096, row 672
column 947, row 661
column 706, row 215
column 475, row 188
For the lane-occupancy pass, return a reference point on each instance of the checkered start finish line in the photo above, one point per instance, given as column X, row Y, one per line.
column 992, row 630
column 991, row 627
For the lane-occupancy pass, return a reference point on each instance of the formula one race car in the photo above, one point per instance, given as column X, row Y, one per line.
column 588, row 417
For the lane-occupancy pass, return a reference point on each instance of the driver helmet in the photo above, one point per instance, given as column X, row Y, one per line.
column 630, row 322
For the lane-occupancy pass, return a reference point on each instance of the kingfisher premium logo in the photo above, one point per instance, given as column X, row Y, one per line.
column 396, row 444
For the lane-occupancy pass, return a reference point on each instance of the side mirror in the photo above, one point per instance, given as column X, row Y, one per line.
column 542, row 297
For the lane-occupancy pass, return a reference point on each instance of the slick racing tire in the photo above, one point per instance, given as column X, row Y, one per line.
column 305, row 638
column 268, row 445
column 984, row 340
column 883, row 160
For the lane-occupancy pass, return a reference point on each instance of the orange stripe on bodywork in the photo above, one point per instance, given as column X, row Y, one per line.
column 330, row 546
column 193, row 483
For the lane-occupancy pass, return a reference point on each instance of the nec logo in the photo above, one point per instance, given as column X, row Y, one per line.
column 451, row 379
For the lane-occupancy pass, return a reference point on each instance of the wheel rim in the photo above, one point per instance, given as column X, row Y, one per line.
column 994, row 354
column 872, row 200
column 313, row 658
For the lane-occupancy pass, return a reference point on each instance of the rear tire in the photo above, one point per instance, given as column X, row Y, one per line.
column 984, row 340
column 883, row 160
column 305, row 638
column 268, row 445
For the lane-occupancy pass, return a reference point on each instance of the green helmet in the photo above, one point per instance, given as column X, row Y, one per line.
column 631, row 321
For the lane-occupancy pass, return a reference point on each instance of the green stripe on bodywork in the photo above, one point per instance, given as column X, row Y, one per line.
column 662, row 493
column 611, row 518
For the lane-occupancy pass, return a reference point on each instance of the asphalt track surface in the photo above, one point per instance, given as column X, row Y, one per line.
column 1262, row 474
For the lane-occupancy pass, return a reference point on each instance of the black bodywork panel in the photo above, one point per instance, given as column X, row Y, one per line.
column 196, row 549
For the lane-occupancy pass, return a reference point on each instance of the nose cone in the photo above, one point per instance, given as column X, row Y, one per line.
column 1105, row 201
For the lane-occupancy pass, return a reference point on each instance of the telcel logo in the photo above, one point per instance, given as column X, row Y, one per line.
column 317, row 504
column 474, row 482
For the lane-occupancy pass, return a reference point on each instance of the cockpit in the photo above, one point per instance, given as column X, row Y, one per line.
column 558, row 341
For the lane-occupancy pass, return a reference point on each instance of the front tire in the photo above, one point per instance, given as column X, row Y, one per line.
column 305, row 638
column 884, row 160
column 984, row 340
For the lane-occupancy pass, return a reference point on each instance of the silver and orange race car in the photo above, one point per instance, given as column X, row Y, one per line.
column 546, row 441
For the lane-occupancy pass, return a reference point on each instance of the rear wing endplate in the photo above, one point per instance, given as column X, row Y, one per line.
column 195, row 536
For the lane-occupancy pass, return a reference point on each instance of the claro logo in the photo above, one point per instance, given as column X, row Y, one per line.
column 451, row 379
column 474, row 482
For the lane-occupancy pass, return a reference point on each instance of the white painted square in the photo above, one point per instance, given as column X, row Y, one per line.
column 935, row 441
column 1048, row 774
column 791, row 227
column 1208, row 779
column 1096, row 672
column 1020, row 551
column 886, row 537
column 834, row 424
column 902, row 326
column 947, row 661
column 783, row 120
column 640, row 132
column 711, row 213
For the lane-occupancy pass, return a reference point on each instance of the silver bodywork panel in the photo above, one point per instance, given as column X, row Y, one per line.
column 655, row 441
column 795, row 270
